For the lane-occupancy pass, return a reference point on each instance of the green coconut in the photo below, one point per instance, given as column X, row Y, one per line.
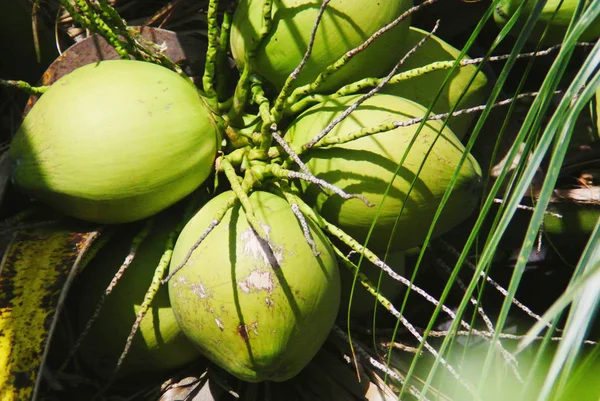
column 367, row 165
column 344, row 26
column 260, row 313
column 576, row 219
column 363, row 301
column 160, row 344
column 555, row 16
column 424, row 89
column 114, row 142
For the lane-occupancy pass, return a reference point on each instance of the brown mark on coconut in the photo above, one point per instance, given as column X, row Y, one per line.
column 270, row 303
column 260, row 250
column 257, row 280
column 242, row 331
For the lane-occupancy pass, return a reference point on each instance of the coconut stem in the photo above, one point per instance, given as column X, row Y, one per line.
column 242, row 93
column 241, row 193
column 31, row 90
column 240, row 97
column 261, row 151
column 103, row 19
column 222, row 60
column 110, row 13
column 90, row 19
column 211, row 53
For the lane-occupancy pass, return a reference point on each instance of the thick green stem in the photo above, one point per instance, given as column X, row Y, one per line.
column 97, row 24
column 267, row 21
column 222, row 63
column 240, row 97
column 212, row 51
column 102, row 19
column 242, row 89
column 79, row 18
column 333, row 140
column 32, row 90
column 241, row 193
column 111, row 14
column 261, row 151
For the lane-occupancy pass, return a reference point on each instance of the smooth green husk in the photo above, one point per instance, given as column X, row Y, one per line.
column 365, row 166
column 556, row 16
column 576, row 219
column 345, row 25
column 423, row 89
column 115, row 141
column 160, row 344
column 257, row 313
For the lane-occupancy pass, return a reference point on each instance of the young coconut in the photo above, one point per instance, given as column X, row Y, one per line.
column 260, row 311
column 159, row 344
column 366, row 166
column 576, row 219
column 115, row 141
column 344, row 26
column 555, row 16
column 423, row 89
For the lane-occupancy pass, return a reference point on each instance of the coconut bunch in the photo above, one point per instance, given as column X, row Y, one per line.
column 324, row 148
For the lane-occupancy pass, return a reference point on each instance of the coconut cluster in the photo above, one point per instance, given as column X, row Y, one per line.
column 255, row 281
